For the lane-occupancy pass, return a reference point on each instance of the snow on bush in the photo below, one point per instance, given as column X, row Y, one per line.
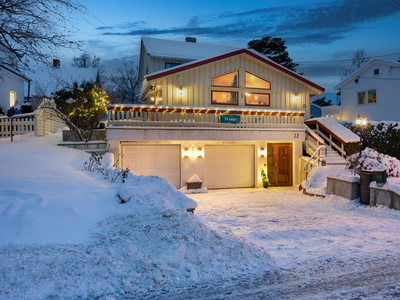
column 373, row 160
column 155, row 245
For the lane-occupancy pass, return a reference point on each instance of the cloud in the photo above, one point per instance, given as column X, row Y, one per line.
column 321, row 23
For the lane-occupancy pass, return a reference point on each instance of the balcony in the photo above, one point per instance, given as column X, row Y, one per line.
column 134, row 115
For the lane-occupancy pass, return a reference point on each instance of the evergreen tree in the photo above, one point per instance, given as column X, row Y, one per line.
column 274, row 49
column 322, row 102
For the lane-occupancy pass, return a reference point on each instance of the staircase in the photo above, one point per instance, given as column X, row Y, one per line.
column 332, row 157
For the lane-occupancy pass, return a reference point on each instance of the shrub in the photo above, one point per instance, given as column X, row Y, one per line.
column 112, row 174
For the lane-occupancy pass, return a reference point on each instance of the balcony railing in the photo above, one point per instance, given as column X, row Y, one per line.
column 180, row 116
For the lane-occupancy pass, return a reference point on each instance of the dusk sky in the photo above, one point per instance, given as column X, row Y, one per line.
column 320, row 35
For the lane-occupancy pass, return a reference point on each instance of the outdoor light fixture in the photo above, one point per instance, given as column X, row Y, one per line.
column 186, row 153
column 200, row 153
column 361, row 122
column 262, row 152
column 180, row 91
column 297, row 97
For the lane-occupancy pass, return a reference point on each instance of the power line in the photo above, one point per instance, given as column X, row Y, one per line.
column 392, row 4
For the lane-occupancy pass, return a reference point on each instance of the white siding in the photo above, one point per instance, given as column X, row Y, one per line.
column 10, row 82
column 387, row 86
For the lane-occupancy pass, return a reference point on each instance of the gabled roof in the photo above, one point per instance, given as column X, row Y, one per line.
column 365, row 67
column 251, row 53
column 184, row 50
column 15, row 72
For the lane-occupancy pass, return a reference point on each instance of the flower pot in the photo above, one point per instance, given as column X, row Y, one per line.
column 265, row 184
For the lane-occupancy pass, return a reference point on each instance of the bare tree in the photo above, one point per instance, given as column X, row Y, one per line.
column 86, row 61
column 360, row 57
column 125, row 87
column 32, row 30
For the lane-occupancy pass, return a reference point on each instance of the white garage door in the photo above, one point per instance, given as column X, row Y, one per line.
column 163, row 161
column 229, row 166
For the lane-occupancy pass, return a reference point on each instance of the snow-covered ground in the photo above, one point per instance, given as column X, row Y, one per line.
column 65, row 235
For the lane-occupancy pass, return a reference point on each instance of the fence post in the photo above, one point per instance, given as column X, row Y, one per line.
column 11, row 129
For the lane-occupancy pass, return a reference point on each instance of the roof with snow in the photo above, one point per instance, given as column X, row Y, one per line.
column 365, row 67
column 185, row 50
column 249, row 52
column 16, row 72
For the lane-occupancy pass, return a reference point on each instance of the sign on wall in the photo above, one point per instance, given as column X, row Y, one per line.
column 231, row 119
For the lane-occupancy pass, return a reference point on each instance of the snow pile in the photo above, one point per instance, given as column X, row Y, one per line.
column 344, row 175
column 373, row 160
column 65, row 236
column 340, row 130
column 185, row 190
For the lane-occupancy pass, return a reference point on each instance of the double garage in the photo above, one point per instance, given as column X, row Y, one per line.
column 221, row 166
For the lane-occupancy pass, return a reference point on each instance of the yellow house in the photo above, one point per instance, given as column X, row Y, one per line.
column 223, row 118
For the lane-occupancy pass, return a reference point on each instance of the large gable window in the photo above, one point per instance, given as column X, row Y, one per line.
column 226, row 98
column 255, row 82
column 257, row 99
column 226, row 80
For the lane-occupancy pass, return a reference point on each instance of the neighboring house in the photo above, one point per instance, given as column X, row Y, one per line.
column 223, row 118
column 373, row 91
column 12, row 87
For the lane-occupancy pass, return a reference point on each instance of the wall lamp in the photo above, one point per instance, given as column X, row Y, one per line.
column 186, row 152
column 180, row 91
column 200, row 153
column 296, row 97
column 262, row 152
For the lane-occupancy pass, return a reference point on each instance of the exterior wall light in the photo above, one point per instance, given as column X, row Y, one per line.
column 200, row 153
column 296, row 97
column 262, row 152
column 186, row 153
column 180, row 91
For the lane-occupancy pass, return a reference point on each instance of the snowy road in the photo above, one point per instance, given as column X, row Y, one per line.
column 325, row 248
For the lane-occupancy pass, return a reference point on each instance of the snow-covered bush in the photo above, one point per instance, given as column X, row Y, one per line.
column 373, row 160
column 381, row 136
column 112, row 174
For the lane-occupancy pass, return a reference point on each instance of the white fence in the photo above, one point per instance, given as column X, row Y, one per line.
column 41, row 122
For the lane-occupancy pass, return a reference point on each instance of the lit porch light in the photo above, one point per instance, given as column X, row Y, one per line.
column 296, row 97
column 180, row 91
column 263, row 152
column 186, row 152
column 200, row 153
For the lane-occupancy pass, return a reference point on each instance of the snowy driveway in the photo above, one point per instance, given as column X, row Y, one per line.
column 298, row 229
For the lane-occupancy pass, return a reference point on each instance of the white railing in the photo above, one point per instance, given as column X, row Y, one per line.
column 313, row 141
column 330, row 111
column 180, row 116
column 17, row 124
column 318, row 157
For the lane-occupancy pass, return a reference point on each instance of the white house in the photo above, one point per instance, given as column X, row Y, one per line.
column 373, row 91
column 11, row 87
column 223, row 118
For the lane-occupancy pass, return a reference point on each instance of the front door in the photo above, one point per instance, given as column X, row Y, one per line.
column 280, row 164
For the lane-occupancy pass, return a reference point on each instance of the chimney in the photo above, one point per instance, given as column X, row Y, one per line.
column 56, row 63
column 190, row 39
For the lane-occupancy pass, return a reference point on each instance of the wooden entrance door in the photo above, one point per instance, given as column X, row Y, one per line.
column 280, row 167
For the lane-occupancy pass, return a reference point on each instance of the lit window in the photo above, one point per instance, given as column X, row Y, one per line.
column 367, row 97
column 226, row 80
column 171, row 65
column 257, row 99
column 13, row 98
column 255, row 82
column 229, row 98
column 372, row 96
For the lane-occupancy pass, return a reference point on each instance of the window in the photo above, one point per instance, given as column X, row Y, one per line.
column 13, row 98
column 372, row 96
column 171, row 65
column 226, row 98
column 376, row 72
column 367, row 97
column 361, row 98
column 255, row 82
column 257, row 99
column 226, row 80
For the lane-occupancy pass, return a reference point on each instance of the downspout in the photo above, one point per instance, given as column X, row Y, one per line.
column 29, row 89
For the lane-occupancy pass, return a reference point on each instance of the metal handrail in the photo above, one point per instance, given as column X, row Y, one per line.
column 318, row 159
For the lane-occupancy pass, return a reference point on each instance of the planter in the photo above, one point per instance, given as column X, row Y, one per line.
column 193, row 185
column 346, row 189
column 265, row 184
